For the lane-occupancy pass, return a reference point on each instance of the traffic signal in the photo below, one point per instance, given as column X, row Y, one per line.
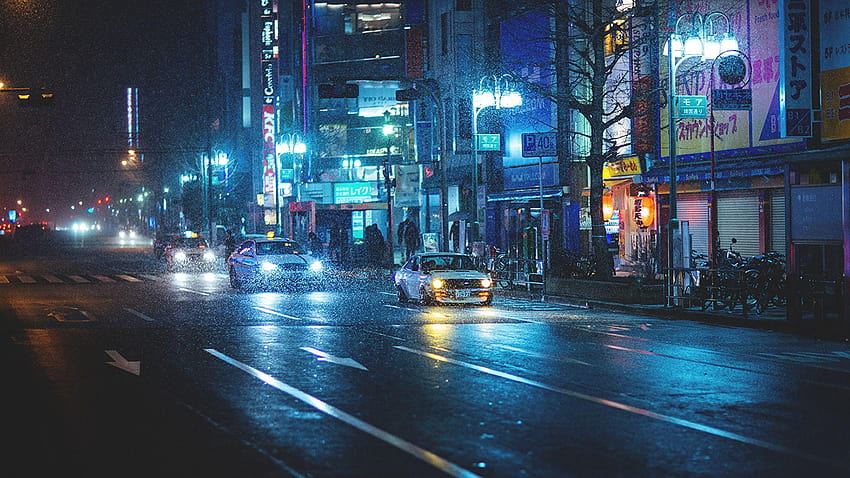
column 338, row 90
column 35, row 97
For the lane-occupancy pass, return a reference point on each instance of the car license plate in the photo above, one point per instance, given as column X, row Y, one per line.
column 462, row 294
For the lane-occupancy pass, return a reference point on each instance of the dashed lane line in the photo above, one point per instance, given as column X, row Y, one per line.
column 635, row 410
column 139, row 314
column 274, row 312
column 428, row 457
column 128, row 278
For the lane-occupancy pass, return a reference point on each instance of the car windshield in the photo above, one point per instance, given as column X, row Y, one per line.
column 190, row 242
column 268, row 248
column 449, row 262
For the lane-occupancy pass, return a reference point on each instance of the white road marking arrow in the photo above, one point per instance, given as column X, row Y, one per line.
column 326, row 357
column 120, row 362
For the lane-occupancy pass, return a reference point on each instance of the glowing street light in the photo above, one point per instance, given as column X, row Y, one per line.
column 701, row 41
column 495, row 91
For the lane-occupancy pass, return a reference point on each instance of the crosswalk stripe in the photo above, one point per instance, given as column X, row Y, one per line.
column 54, row 280
column 104, row 278
column 26, row 280
column 128, row 278
column 79, row 279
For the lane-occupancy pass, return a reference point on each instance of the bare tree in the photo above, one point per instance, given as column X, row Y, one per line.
column 593, row 88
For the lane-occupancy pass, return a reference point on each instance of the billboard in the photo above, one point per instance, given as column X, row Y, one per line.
column 527, row 51
column 742, row 132
column 835, row 69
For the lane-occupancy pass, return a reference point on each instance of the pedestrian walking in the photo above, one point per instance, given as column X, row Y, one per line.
column 229, row 244
column 374, row 245
column 315, row 245
column 408, row 235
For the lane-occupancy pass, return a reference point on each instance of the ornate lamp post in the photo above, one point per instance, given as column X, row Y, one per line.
column 700, row 41
column 496, row 91
column 290, row 143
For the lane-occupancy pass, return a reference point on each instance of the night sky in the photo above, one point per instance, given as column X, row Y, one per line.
column 88, row 52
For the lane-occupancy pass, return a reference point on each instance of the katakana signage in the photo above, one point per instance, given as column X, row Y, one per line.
column 795, row 65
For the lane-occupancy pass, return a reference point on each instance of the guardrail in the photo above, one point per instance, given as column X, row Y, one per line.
column 510, row 272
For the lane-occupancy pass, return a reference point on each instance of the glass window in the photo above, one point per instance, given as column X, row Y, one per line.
column 282, row 247
column 453, row 262
column 187, row 242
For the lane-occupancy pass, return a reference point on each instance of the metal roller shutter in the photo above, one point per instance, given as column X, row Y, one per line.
column 777, row 221
column 738, row 217
column 694, row 209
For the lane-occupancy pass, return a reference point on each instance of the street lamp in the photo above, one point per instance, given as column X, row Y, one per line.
column 704, row 42
column 493, row 90
column 388, row 130
column 291, row 143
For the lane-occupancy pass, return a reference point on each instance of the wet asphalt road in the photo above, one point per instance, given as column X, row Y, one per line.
column 115, row 367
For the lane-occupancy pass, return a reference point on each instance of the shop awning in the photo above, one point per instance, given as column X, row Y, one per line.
column 702, row 171
column 523, row 195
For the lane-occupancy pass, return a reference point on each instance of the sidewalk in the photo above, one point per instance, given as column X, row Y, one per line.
column 772, row 319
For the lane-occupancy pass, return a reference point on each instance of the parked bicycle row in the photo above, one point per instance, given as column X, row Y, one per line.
column 729, row 280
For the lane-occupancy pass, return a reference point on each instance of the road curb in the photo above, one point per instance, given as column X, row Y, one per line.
column 806, row 328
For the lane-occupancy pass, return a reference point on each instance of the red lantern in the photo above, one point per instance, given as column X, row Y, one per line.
column 644, row 211
column 607, row 206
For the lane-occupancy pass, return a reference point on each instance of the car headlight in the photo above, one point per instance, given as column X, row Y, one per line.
column 209, row 256
column 121, row 234
column 132, row 233
column 316, row 266
column 268, row 266
column 180, row 256
column 437, row 283
column 486, row 283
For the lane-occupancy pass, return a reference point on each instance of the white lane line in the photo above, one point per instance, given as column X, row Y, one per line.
column 274, row 312
column 636, row 410
column 104, row 278
column 54, row 280
column 138, row 314
column 387, row 293
column 428, row 457
column 539, row 355
column 150, row 277
column 184, row 289
column 128, row 278
column 79, row 279
column 26, row 280
column 4, row 280
column 391, row 306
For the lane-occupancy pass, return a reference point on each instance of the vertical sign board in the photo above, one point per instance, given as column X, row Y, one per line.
column 645, row 80
column 268, row 62
column 795, row 66
column 835, row 69
column 545, row 224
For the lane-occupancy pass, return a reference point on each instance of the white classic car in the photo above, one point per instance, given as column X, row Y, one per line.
column 443, row 277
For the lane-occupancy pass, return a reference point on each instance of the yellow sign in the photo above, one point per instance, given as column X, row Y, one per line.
column 835, row 88
column 626, row 166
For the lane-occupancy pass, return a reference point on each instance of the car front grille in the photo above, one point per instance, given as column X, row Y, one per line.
column 463, row 283
column 292, row 267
